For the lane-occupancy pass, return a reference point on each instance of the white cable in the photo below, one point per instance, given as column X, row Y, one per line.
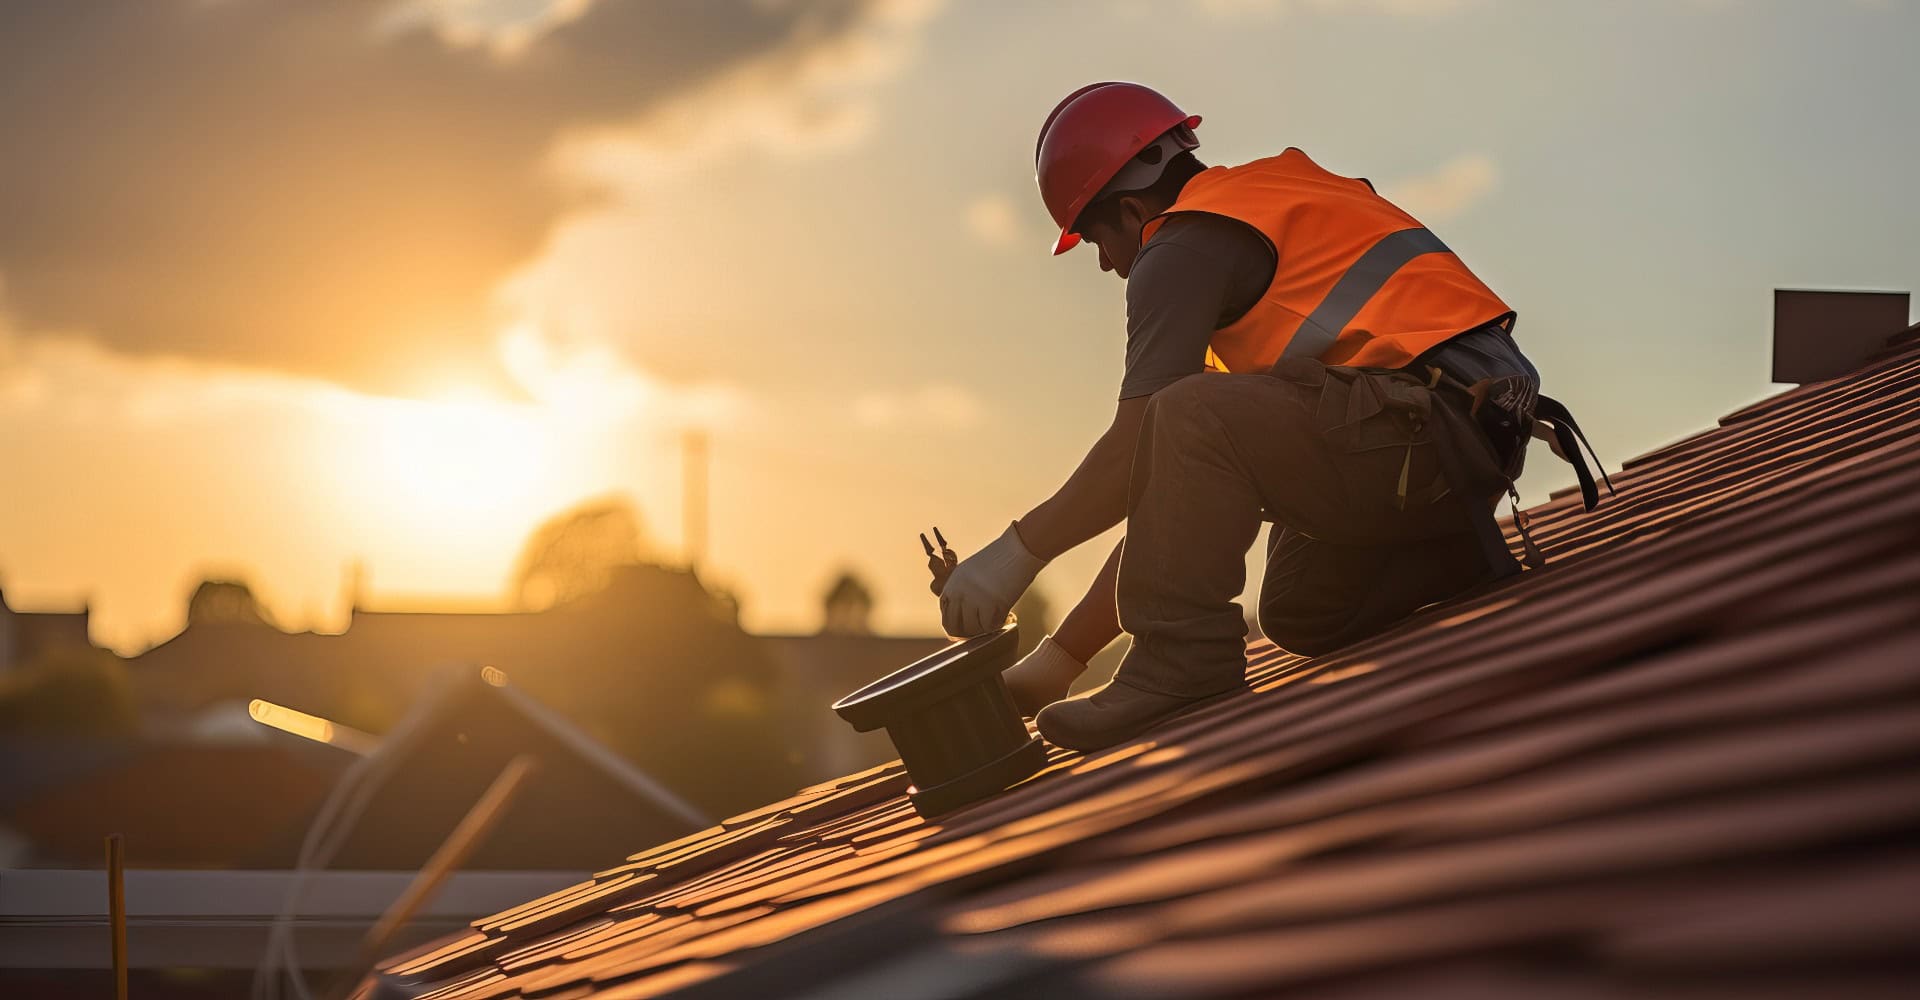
column 325, row 835
column 354, row 792
column 281, row 952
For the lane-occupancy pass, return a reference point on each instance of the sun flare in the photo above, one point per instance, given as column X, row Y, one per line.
column 467, row 459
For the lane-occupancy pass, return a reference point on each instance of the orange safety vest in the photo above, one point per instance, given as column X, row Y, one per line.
column 1358, row 281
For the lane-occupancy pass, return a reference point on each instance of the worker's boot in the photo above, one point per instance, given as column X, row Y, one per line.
column 1042, row 677
column 1114, row 713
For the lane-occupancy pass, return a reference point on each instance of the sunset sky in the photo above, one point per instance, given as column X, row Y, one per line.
column 285, row 285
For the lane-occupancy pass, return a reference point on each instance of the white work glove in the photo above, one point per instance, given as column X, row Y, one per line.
column 982, row 589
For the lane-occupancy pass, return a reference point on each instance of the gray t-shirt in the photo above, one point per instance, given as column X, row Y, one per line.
column 1197, row 274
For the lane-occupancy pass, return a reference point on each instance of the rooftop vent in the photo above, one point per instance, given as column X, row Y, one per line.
column 1818, row 335
column 953, row 721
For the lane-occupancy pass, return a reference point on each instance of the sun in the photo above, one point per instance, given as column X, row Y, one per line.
column 466, row 458
column 449, row 482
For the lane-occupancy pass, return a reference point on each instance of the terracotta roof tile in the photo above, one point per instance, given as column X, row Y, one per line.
column 1680, row 761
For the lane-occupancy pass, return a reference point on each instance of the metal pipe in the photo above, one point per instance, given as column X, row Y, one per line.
column 117, row 910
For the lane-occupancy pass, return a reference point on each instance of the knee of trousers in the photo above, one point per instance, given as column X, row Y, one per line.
column 1299, row 636
column 1301, row 641
column 1180, row 410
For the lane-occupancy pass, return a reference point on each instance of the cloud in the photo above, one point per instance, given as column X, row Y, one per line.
column 595, row 384
column 1272, row 8
column 125, row 470
column 813, row 99
column 506, row 27
column 992, row 220
column 337, row 188
column 1448, row 192
column 568, row 389
column 937, row 405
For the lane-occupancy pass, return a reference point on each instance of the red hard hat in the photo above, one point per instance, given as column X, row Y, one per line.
column 1089, row 137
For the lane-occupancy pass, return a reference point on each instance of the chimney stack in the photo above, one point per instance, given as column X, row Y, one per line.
column 1819, row 335
column 693, row 497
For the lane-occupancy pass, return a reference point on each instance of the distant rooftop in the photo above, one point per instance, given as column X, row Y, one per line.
column 1679, row 761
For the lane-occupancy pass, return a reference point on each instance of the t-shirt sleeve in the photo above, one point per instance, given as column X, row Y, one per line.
column 1175, row 295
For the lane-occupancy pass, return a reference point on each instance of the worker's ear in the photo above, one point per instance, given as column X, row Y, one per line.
column 1133, row 213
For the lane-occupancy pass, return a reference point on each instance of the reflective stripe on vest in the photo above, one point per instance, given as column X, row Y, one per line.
column 1357, row 287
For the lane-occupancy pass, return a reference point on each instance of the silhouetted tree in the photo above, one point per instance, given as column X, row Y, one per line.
column 575, row 553
column 726, row 603
column 654, row 666
column 225, row 602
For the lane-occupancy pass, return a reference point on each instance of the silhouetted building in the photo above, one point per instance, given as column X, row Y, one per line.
column 27, row 635
column 847, row 607
column 248, row 800
column 653, row 665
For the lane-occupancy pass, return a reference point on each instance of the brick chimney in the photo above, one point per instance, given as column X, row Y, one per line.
column 1825, row 334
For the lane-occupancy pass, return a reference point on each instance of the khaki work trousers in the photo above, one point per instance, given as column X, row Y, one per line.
column 1322, row 452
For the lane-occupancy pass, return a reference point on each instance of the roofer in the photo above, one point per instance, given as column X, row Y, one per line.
column 1299, row 350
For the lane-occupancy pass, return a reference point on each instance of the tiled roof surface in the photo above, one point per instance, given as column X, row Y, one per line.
column 1680, row 761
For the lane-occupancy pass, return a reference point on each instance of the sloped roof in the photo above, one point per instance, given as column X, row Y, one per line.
column 1678, row 762
column 586, row 804
column 179, row 804
column 35, row 633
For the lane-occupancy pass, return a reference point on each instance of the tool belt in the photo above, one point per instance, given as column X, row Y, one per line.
column 1506, row 409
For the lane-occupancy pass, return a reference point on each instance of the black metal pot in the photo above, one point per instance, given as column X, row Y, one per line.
column 953, row 721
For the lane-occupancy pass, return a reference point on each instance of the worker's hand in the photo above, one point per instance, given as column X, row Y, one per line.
column 982, row 589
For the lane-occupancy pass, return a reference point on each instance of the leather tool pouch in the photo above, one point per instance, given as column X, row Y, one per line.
column 1506, row 409
column 1503, row 408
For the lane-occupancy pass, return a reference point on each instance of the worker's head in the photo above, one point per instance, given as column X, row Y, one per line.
column 1106, row 143
column 1114, row 220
